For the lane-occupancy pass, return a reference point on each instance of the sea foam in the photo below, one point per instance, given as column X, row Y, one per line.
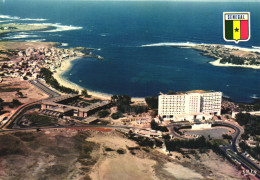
column 31, row 19
column 190, row 44
column 35, row 40
column 60, row 27
column 181, row 44
column 21, row 36
column 64, row 44
column 9, row 17
column 21, row 19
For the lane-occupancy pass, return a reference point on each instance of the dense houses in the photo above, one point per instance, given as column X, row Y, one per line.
column 28, row 63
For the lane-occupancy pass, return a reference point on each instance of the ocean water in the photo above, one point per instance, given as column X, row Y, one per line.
column 117, row 30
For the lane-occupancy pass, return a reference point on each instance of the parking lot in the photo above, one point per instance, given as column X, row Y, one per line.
column 215, row 132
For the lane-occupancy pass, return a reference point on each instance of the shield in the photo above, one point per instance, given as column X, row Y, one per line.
column 236, row 26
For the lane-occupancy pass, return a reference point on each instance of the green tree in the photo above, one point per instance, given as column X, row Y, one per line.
column 84, row 93
column 103, row 114
column 19, row 93
column 152, row 102
column 225, row 136
column 116, row 115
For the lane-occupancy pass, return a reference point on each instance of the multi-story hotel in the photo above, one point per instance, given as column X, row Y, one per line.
column 191, row 105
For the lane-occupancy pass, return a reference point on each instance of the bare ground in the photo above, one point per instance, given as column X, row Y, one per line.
column 30, row 92
column 73, row 154
column 24, row 45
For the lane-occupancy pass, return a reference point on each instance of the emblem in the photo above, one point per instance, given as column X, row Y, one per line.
column 236, row 26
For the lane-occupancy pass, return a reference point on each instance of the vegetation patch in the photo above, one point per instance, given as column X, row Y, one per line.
column 109, row 149
column 11, row 145
column 99, row 122
column 252, row 128
column 47, row 75
column 155, row 126
column 41, row 120
column 26, row 136
column 56, row 170
column 121, row 151
column 103, row 113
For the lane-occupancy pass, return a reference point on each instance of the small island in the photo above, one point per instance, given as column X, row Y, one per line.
column 230, row 56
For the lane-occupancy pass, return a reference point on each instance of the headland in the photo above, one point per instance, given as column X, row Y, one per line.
column 230, row 56
column 18, row 27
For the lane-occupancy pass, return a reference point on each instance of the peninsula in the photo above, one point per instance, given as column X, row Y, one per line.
column 19, row 27
column 230, row 56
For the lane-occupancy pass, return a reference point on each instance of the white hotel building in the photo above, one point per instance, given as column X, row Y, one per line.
column 189, row 106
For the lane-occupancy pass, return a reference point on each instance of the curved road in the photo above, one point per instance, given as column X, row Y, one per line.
column 20, row 110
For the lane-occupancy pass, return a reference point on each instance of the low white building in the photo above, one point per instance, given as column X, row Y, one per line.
column 148, row 133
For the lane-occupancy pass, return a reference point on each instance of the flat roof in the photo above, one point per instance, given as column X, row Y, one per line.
column 85, row 109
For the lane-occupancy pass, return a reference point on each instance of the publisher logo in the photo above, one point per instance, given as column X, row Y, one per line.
column 236, row 26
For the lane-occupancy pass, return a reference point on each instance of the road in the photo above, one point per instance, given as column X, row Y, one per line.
column 22, row 108
column 60, row 127
column 44, row 88
column 245, row 162
column 232, row 148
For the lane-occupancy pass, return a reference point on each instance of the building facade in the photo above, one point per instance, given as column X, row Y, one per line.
column 192, row 104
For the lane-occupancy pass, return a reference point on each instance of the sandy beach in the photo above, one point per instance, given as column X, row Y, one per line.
column 65, row 66
column 217, row 63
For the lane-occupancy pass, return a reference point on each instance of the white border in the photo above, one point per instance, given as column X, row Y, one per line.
column 249, row 29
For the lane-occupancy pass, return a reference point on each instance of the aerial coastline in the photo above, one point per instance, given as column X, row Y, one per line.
column 65, row 66
column 224, row 55
column 217, row 63
column 141, row 112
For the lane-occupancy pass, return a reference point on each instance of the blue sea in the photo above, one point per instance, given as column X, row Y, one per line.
column 119, row 29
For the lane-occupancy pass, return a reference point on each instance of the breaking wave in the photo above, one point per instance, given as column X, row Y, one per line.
column 64, row 44
column 9, row 17
column 180, row 44
column 60, row 27
column 22, row 19
column 36, row 40
column 21, row 36
column 190, row 44
column 30, row 19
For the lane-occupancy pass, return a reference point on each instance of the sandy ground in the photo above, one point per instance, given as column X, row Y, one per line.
column 53, row 154
column 120, row 166
column 124, row 167
column 181, row 172
column 217, row 63
column 220, row 167
column 24, row 45
column 30, row 92
column 66, row 65
column 156, row 165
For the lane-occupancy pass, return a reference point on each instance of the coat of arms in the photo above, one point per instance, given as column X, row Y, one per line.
column 236, row 26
